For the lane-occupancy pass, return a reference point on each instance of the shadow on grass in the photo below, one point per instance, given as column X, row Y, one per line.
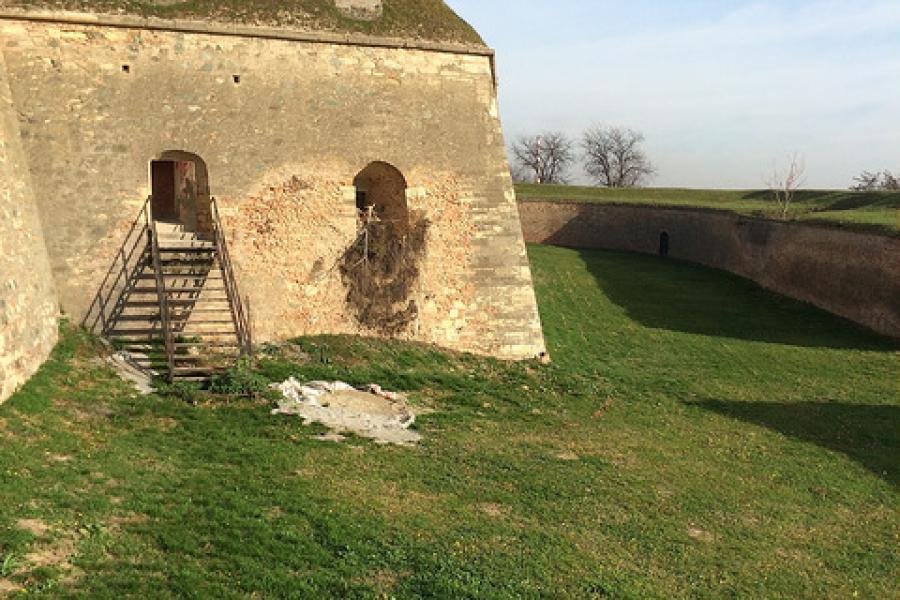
column 869, row 435
column 688, row 298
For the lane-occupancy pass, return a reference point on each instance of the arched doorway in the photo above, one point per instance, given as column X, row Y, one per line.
column 179, row 183
column 664, row 244
column 382, row 188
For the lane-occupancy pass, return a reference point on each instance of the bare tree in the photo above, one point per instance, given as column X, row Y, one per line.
column 885, row 181
column 784, row 183
column 543, row 158
column 613, row 157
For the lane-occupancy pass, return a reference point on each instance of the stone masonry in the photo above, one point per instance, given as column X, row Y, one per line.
column 28, row 306
column 852, row 274
column 283, row 125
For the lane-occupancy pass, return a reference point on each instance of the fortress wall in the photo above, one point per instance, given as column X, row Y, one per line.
column 28, row 309
column 851, row 274
column 282, row 147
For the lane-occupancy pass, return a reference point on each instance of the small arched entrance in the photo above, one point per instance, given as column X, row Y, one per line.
column 179, row 183
column 664, row 244
column 381, row 187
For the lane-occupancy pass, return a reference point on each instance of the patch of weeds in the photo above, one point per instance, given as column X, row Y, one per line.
column 186, row 391
column 240, row 380
column 380, row 270
column 9, row 565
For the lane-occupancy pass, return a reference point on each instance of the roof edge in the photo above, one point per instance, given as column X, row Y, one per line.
column 232, row 29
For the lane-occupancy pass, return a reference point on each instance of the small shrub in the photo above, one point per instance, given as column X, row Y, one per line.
column 239, row 380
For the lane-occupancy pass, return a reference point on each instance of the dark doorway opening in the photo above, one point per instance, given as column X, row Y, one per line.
column 362, row 200
column 664, row 244
column 163, row 189
column 179, row 185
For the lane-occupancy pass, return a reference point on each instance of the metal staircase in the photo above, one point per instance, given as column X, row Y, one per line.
column 171, row 300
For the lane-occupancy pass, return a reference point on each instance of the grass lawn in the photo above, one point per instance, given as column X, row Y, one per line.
column 877, row 211
column 695, row 437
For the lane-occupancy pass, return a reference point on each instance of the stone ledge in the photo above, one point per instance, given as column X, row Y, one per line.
column 203, row 27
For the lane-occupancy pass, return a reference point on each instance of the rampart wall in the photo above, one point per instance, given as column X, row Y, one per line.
column 851, row 274
column 283, row 126
column 28, row 307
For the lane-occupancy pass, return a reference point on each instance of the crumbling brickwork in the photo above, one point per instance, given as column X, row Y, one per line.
column 28, row 311
column 283, row 126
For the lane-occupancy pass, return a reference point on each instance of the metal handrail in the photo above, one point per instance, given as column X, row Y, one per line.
column 119, row 266
column 163, row 297
column 239, row 314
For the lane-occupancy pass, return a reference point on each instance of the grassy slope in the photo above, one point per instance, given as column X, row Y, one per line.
column 429, row 20
column 870, row 210
column 695, row 437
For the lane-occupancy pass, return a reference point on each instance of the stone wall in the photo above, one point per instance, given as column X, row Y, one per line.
column 283, row 126
column 851, row 274
column 28, row 307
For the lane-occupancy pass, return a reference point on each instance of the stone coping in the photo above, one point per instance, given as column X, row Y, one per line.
column 858, row 228
column 251, row 31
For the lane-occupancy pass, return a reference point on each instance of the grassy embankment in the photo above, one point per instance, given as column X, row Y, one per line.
column 876, row 211
column 430, row 20
column 695, row 437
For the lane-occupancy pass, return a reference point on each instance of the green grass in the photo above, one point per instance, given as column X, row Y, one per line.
column 695, row 437
column 430, row 20
column 878, row 211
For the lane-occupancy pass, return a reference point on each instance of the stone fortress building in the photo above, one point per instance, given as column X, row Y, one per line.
column 305, row 120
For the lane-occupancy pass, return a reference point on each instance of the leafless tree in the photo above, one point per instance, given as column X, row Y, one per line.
column 543, row 158
column 784, row 183
column 614, row 157
column 885, row 181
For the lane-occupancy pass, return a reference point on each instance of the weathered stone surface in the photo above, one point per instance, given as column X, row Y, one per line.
column 284, row 127
column 27, row 299
column 851, row 274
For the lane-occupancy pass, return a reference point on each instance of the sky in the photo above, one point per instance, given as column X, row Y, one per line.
column 724, row 91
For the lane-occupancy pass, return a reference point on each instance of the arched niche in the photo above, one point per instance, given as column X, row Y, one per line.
column 382, row 187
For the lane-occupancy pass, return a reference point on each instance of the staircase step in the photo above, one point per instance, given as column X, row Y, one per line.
column 137, row 332
column 186, row 247
column 173, row 302
column 202, row 277
column 137, row 318
column 203, row 267
column 143, row 290
column 208, row 261
column 195, row 368
column 162, row 362
column 205, row 333
column 174, row 320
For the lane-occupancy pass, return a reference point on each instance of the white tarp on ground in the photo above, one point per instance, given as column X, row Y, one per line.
column 373, row 413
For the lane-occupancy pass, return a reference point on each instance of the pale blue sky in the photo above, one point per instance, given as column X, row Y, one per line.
column 722, row 89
